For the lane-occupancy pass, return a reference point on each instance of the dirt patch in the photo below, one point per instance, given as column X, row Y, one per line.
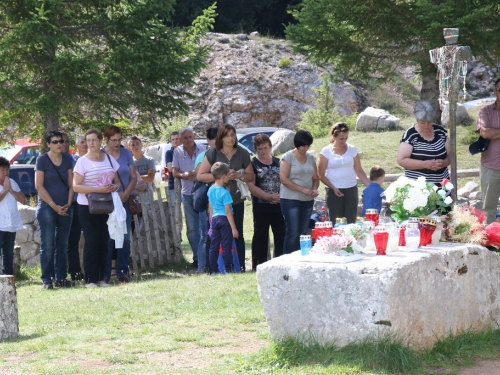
column 483, row 367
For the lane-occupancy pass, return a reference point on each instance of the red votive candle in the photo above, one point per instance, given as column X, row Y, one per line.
column 372, row 215
column 380, row 237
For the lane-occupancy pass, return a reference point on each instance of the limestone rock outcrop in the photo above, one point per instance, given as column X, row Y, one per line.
column 376, row 119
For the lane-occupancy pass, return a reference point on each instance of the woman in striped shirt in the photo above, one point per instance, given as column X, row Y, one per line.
column 425, row 147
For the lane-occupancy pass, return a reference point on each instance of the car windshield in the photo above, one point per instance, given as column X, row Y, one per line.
column 8, row 152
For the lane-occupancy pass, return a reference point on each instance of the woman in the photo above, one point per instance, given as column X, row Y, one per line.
column 53, row 181
column 265, row 191
column 94, row 173
column 227, row 151
column 338, row 167
column 425, row 147
column 10, row 219
column 299, row 186
column 126, row 180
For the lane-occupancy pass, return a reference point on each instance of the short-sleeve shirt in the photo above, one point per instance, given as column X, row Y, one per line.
column 372, row 197
column 267, row 178
column 219, row 197
column 427, row 150
column 95, row 173
column 169, row 157
column 340, row 169
column 10, row 219
column 199, row 159
column 240, row 160
column 142, row 166
column 301, row 174
column 489, row 117
column 57, row 189
column 185, row 163
column 125, row 160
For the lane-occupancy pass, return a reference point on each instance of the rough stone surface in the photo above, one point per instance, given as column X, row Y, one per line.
column 461, row 115
column 375, row 119
column 282, row 141
column 25, row 234
column 468, row 188
column 9, row 322
column 419, row 296
column 28, row 214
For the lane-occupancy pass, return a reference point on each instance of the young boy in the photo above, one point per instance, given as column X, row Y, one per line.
column 372, row 195
column 223, row 227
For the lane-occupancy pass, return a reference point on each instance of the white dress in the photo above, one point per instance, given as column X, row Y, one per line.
column 10, row 219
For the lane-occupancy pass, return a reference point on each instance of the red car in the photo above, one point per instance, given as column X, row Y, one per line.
column 25, row 153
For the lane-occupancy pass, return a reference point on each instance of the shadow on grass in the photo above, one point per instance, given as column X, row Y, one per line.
column 21, row 338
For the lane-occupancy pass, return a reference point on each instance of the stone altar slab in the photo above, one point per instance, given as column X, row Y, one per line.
column 9, row 322
column 420, row 296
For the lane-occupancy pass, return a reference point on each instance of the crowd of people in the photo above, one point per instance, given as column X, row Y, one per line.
column 282, row 192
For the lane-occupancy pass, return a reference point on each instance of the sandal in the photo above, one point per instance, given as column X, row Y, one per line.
column 113, row 272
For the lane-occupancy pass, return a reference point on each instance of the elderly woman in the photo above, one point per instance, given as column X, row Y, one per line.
column 299, row 186
column 53, row 181
column 424, row 148
column 265, row 191
column 227, row 151
column 338, row 166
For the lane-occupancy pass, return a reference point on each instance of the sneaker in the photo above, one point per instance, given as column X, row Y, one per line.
column 48, row 286
column 64, row 284
column 123, row 280
column 213, row 274
column 103, row 284
column 194, row 264
column 91, row 285
column 77, row 276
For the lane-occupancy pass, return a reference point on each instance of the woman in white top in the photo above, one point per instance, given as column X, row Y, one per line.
column 299, row 186
column 338, row 167
column 94, row 173
column 10, row 220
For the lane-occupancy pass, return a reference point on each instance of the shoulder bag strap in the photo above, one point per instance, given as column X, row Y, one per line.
column 62, row 179
column 118, row 173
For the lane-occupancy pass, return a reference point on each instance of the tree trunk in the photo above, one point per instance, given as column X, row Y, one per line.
column 430, row 89
column 50, row 123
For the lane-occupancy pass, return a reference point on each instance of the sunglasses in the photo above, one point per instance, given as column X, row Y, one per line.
column 342, row 126
column 56, row 141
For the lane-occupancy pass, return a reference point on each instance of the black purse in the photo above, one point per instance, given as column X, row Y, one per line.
column 101, row 203
column 200, row 197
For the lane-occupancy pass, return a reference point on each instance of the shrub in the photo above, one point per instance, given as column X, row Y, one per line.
column 284, row 63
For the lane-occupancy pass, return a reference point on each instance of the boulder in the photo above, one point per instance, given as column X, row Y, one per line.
column 282, row 141
column 469, row 188
column 254, row 33
column 28, row 214
column 461, row 115
column 25, row 234
column 36, row 237
column 375, row 119
column 419, row 296
column 9, row 321
column 476, row 196
column 242, row 36
column 28, row 250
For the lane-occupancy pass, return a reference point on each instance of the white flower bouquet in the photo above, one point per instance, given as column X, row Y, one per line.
column 417, row 198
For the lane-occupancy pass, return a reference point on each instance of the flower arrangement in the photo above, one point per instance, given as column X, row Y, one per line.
column 416, row 198
column 333, row 244
column 355, row 231
column 464, row 225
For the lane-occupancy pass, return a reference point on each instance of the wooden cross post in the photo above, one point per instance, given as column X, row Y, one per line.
column 451, row 62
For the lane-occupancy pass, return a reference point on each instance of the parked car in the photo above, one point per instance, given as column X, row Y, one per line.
column 247, row 135
column 24, row 175
column 21, row 154
column 157, row 152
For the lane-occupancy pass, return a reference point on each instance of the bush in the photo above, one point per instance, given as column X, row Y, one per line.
column 284, row 63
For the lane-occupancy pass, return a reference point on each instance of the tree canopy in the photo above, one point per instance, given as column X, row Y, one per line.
column 91, row 62
column 363, row 37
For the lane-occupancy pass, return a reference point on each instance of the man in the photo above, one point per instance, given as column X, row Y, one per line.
column 144, row 164
column 488, row 126
column 183, row 168
column 169, row 156
column 74, row 268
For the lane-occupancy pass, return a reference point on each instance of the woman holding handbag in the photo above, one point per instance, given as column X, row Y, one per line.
column 127, row 179
column 53, row 181
column 94, row 174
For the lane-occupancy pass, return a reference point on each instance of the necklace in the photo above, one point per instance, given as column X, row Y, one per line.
column 228, row 154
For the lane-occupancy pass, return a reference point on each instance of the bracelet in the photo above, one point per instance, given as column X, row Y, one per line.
column 51, row 202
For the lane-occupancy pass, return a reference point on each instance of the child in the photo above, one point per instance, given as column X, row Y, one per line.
column 221, row 212
column 373, row 194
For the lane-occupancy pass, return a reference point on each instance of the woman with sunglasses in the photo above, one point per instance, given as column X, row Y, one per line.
column 338, row 166
column 53, row 181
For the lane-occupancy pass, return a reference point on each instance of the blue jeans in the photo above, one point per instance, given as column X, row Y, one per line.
column 202, row 248
column 296, row 214
column 192, row 224
column 7, row 240
column 54, row 234
column 123, row 254
column 238, row 215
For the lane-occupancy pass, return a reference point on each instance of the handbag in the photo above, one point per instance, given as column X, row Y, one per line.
column 134, row 204
column 200, row 197
column 101, row 203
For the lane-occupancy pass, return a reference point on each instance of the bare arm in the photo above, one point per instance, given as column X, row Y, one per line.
column 490, row 133
column 360, row 172
column 483, row 123
column 230, row 218
column 131, row 183
column 7, row 188
column 150, row 177
column 404, row 158
column 203, row 173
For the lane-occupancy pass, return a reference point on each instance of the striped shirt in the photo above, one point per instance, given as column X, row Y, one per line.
column 427, row 150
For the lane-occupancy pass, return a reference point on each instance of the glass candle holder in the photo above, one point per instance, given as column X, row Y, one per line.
column 328, row 229
column 412, row 236
column 402, row 229
column 392, row 229
column 436, row 236
column 305, row 244
column 320, row 229
column 427, row 228
column 381, row 238
column 372, row 215
column 370, row 244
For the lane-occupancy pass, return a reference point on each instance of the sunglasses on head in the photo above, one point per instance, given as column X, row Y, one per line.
column 56, row 141
column 342, row 126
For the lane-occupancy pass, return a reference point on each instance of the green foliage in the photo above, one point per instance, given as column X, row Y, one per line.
column 94, row 63
column 471, row 135
column 165, row 128
column 319, row 119
column 285, row 63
